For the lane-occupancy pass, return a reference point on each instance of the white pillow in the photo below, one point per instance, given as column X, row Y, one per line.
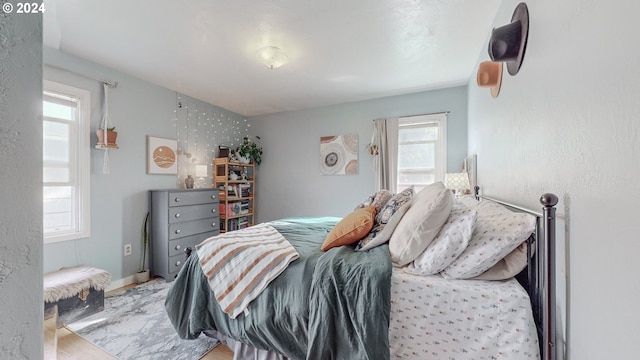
column 387, row 220
column 450, row 242
column 420, row 225
column 497, row 233
column 468, row 200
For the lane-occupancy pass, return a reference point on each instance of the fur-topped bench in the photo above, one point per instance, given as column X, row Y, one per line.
column 77, row 291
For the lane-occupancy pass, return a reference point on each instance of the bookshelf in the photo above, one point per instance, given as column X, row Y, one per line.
column 236, row 196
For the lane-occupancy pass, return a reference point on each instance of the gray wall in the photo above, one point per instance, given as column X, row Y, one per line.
column 119, row 199
column 568, row 124
column 289, row 180
column 21, row 317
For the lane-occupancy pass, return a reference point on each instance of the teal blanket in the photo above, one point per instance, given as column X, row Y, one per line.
column 325, row 305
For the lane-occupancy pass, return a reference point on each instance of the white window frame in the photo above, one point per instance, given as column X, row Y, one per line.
column 438, row 120
column 80, row 153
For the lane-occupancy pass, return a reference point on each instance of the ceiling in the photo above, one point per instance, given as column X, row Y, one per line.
column 339, row 50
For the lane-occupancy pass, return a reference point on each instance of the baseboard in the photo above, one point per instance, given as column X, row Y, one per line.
column 117, row 284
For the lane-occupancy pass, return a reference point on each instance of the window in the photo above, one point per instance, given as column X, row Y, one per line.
column 65, row 155
column 421, row 150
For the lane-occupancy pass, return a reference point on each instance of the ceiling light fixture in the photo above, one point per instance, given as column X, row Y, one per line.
column 272, row 57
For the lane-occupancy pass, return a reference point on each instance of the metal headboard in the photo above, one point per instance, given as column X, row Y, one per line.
column 541, row 270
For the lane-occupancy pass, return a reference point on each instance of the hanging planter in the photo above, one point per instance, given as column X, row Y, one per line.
column 111, row 137
column 106, row 127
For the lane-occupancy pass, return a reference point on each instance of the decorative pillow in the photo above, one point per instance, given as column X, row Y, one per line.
column 351, row 228
column 498, row 232
column 419, row 226
column 377, row 200
column 387, row 220
column 450, row 242
column 381, row 199
column 367, row 202
column 508, row 267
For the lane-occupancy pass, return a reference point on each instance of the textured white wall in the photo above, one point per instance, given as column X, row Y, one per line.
column 21, row 299
column 568, row 124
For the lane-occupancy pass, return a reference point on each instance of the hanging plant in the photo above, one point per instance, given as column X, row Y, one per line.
column 112, row 135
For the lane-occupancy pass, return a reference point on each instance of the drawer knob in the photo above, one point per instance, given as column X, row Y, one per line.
column 177, row 215
column 213, row 210
column 178, row 231
column 177, row 247
column 213, row 225
column 213, row 196
column 178, row 263
column 176, row 199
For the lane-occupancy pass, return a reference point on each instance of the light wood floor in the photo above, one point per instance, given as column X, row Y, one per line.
column 73, row 347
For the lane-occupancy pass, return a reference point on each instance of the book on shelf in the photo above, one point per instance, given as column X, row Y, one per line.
column 238, row 190
column 235, row 224
column 235, row 208
column 244, row 190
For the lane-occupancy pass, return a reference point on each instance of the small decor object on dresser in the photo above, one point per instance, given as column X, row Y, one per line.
column 188, row 182
column 179, row 220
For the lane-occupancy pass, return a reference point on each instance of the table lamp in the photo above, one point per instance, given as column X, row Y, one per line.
column 201, row 173
column 458, row 182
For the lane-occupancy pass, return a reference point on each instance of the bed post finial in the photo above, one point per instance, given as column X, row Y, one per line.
column 549, row 200
column 476, row 192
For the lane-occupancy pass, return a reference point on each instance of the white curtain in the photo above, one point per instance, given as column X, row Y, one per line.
column 384, row 147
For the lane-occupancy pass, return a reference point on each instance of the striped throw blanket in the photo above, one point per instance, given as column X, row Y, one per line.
column 240, row 264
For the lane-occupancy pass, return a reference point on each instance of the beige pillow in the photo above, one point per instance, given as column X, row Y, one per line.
column 351, row 228
column 377, row 200
column 510, row 266
column 387, row 219
column 418, row 227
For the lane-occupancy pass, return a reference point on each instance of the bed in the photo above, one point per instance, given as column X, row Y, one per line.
column 347, row 304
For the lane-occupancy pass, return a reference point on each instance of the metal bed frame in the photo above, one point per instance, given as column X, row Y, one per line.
column 540, row 274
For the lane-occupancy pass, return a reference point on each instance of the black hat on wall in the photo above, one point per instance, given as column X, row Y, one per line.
column 508, row 42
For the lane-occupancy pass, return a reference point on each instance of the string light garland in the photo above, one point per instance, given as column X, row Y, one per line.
column 200, row 128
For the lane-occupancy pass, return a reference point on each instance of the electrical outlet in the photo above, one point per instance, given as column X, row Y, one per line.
column 127, row 250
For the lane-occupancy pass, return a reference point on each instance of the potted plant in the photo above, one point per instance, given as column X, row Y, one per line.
column 143, row 275
column 112, row 134
column 249, row 151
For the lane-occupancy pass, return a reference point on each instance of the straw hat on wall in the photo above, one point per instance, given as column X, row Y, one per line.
column 490, row 75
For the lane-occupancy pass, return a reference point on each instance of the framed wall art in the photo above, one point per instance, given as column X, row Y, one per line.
column 162, row 155
column 339, row 155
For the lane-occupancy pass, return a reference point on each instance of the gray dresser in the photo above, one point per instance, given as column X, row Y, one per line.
column 178, row 220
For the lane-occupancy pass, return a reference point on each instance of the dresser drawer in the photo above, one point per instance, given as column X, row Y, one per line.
column 182, row 229
column 176, row 247
column 176, row 262
column 181, row 198
column 194, row 212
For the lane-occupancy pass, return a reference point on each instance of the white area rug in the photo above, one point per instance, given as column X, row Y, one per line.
column 134, row 325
